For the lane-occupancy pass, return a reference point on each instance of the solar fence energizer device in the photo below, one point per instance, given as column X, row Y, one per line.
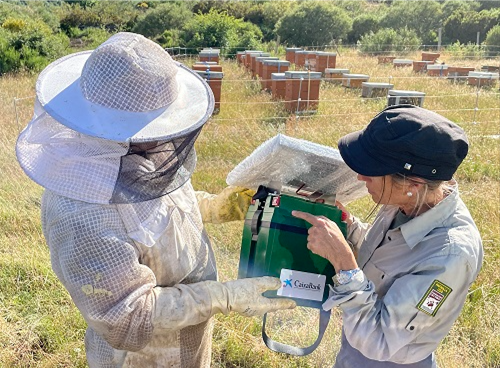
column 292, row 174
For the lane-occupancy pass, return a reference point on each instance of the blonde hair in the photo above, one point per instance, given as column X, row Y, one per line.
column 428, row 186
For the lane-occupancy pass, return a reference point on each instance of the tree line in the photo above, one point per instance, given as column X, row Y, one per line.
column 34, row 33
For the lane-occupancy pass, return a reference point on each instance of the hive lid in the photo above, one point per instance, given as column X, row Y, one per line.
column 284, row 162
column 437, row 66
column 209, row 74
column 399, row 92
column 301, row 74
column 379, row 85
column 293, row 49
column 276, row 62
column 324, row 53
column 278, row 76
column 259, row 54
column 402, row 61
column 359, row 76
column 483, row 75
column 336, row 70
column 262, row 58
column 209, row 52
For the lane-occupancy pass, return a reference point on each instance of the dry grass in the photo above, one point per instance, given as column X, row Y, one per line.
column 40, row 327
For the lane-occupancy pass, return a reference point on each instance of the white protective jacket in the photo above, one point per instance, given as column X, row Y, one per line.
column 145, row 305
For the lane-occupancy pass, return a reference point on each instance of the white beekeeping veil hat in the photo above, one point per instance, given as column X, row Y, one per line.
column 95, row 108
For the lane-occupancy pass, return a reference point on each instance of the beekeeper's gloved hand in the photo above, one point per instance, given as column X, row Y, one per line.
column 244, row 296
column 229, row 205
column 190, row 304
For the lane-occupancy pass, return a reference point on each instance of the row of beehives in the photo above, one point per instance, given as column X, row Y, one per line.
column 430, row 64
column 300, row 88
column 209, row 69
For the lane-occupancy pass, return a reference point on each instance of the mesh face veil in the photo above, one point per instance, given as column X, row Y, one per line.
column 97, row 170
column 153, row 172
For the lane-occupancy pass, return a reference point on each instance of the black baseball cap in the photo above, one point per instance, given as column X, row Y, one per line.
column 409, row 140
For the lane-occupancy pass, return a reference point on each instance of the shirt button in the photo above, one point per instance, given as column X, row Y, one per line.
column 412, row 328
column 389, row 238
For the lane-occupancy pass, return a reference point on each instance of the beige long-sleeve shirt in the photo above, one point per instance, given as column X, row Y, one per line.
column 413, row 286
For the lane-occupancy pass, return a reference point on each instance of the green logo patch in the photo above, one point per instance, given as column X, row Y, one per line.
column 434, row 297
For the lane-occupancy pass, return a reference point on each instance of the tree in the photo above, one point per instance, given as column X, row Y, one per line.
column 463, row 25
column 424, row 17
column 389, row 40
column 492, row 41
column 29, row 44
column 313, row 23
column 362, row 25
column 165, row 17
column 451, row 6
column 220, row 30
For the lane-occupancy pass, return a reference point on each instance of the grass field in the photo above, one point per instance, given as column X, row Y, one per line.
column 40, row 326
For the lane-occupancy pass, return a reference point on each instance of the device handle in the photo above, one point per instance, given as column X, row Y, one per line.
column 324, row 318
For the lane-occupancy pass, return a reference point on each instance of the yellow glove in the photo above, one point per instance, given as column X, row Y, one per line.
column 229, row 205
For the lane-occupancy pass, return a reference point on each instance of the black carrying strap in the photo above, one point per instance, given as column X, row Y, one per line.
column 324, row 318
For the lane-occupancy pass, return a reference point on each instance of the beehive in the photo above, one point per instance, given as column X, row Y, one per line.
column 354, row 80
column 373, row 90
column 272, row 66
column 213, row 67
column 300, row 58
column 302, row 90
column 290, row 53
column 253, row 64
column 399, row 97
column 385, row 59
column 310, row 60
column 239, row 57
column 214, row 80
column 259, row 60
column 248, row 59
column 398, row 63
column 278, row 85
column 209, row 55
column 459, row 73
column 480, row 79
column 334, row 75
column 421, row 66
column 437, row 70
column 430, row 56
column 325, row 60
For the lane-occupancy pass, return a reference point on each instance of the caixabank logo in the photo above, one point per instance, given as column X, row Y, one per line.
column 303, row 285
column 298, row 284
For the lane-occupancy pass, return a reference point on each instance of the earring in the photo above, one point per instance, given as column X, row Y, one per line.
column 409, row 194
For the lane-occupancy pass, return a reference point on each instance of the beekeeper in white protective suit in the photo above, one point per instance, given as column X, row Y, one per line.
column 112, row 141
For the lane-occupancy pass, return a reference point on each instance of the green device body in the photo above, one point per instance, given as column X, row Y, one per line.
column 274, row 240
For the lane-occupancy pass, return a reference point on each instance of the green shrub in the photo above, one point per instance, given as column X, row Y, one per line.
column 362, row 25
column 165, row 17
column 463, row 26
column 466, row 51
column 388, row 40
column 219, row 30
column 313, row 23
column 29, row 44
column 492, row 41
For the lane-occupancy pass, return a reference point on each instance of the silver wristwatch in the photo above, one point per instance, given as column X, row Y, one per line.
column 343, row 277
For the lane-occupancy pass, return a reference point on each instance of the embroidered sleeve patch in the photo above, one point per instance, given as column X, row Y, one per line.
column 434, row 297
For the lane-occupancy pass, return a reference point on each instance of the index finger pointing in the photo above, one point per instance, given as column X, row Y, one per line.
column 313, row 220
